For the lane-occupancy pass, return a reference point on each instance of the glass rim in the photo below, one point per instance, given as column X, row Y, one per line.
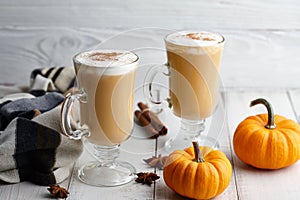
column 75, row 60
column 193, row 46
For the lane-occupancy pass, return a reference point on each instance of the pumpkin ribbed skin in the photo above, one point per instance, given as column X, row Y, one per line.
column 266, row 148
column 197, row 180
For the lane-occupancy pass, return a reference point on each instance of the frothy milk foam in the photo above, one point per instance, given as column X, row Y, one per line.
column 190, row 38
column 108, row 78
column 110, row 61
column 194, row 58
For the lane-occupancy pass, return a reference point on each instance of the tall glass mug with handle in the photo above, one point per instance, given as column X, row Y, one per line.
column 106, row 81
column 193, row 70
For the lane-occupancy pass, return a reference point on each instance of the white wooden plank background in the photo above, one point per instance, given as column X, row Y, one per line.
column 256, row 14
column 267, row 59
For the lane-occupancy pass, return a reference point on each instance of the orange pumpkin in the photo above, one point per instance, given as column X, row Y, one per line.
column 266, row 141
column 192, row 175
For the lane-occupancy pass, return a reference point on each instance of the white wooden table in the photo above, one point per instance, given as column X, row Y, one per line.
column 246, row 182
column 261, row 59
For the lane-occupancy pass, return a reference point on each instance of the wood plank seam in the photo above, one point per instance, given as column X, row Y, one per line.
column 71, row 177
column 230, row 138
column 232, row 161
column 289, row 95
column 154, row 185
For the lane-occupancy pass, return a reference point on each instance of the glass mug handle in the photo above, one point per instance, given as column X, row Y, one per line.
column 149, row 79
column 65, row 118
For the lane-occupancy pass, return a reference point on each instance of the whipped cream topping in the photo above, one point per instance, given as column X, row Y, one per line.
column 108, row 62
column 194, row 38
column 106, row 58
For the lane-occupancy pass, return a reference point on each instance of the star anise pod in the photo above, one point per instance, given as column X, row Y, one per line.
column 146, row 177
column 57, row 191
column 157, row 162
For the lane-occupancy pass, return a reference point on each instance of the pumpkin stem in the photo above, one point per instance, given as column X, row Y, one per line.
column 197, row 151
column 270, row 124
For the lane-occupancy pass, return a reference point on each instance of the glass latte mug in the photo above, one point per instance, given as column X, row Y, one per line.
column 193, row 70
column 106, row 81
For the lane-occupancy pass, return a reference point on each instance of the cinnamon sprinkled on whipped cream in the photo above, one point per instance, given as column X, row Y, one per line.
column 107, row 62
column 194, row 38
column 105, row 58
column 100, row 56
column 200, row 36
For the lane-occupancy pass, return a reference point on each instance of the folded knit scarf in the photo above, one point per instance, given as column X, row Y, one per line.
column 32, row 146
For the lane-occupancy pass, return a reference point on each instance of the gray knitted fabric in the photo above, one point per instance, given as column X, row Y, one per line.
column 32, row 146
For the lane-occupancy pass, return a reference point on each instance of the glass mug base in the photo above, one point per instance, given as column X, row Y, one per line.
column 106, row 170
column 180, row 143
column 190, row 130
column 111, row 174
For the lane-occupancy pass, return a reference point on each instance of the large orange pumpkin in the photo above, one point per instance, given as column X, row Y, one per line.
column 266, row 141
column 192, row 175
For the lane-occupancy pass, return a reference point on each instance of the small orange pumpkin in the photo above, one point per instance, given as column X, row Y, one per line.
column 192, row 175
column 266, row 141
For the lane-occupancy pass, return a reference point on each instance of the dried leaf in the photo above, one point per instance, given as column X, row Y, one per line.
column 157, row 162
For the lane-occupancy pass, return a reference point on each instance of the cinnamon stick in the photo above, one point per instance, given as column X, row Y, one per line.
column 146, row 124
column 153, row 119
